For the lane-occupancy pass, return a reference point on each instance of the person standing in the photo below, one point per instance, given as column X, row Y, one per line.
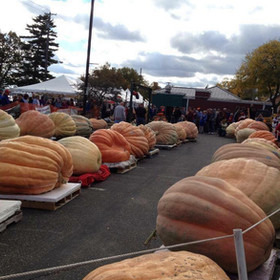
column 140, row 113
column 5, row 98
column 119, row 113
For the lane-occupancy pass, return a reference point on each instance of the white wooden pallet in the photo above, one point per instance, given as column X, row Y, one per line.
column 124, row 166
column 10, row 212
column 167, row 147
column 51, row 200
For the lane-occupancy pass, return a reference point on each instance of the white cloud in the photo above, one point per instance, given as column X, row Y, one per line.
column 190, row 42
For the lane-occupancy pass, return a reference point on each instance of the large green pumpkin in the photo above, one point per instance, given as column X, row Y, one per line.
column 83, row 125
column 198, row 207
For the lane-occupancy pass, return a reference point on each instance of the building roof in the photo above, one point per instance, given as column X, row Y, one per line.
column 216, row 92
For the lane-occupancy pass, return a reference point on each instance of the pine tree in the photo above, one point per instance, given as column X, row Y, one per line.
column 39, row 50
column 10, row 58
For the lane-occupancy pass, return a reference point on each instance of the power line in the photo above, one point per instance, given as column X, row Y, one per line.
column 40, row 9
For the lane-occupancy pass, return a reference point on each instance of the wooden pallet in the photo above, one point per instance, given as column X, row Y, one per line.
column 122, row 170
column 153, row 152
column 123, row 167
column 166, row 147
column 51, row 200
column 15, row 218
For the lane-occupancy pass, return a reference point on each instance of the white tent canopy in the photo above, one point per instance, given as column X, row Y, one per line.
column 59, row 85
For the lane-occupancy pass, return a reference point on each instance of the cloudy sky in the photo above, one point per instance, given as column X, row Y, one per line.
column 190, row 43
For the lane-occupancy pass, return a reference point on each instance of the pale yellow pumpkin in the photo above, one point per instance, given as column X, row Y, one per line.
column 64, row 124
column 85, row 154
column 243, row 134
column 8, row 126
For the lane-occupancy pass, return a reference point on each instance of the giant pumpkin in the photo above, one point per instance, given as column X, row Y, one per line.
column 35, row 123
column 134, row 136
column 190, row 128
column 98, row 123
column 243, row 134
column 64, row 124
column 257, row 180
column 149, row 134
column 265, row 135
column 237, row 150
column 199, row 207
column 166, row 133
column 258, row 125
column 85, row 154
column 8, row 126
column 161, row 266
column 112, row 145
column 230, row 130
column 243, row 124
column 182, row 134
column 263, row 143
column 33, row 165
column 83, row 125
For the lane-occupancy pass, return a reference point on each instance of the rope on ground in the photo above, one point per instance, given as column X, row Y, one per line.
column 74, row 265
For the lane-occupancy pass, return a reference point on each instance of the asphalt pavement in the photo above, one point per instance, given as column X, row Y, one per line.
column 113, row 217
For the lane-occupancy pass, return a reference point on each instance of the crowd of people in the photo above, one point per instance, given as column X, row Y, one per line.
column 58, row 101
column 211, row 120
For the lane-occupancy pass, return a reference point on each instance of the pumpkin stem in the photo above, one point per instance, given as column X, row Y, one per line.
column 153, row 235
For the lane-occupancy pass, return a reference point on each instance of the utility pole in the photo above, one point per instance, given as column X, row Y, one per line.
column 88, row 57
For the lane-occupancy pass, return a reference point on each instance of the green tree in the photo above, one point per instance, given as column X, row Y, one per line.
column 259, row 74
column 107, row 80
column 39, row 50
column 10, row 58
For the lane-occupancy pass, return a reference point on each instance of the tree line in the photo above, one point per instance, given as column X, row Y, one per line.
column 24, row 60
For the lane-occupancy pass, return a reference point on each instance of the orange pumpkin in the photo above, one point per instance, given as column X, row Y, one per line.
column 149, row 134
column 263, row 143
column 199, row 207
column 161, row 266
column 35, row 123
column 190, row 128
column 264, row 134
column 98, row 123
column 134, row 136
column 243, row 124
column 237, row 150
column 182, row 134
column 33, row 165
column 112, row 145
column 257, row 180
column 258, row 125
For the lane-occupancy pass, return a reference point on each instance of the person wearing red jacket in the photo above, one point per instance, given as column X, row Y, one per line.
column 277, row 132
